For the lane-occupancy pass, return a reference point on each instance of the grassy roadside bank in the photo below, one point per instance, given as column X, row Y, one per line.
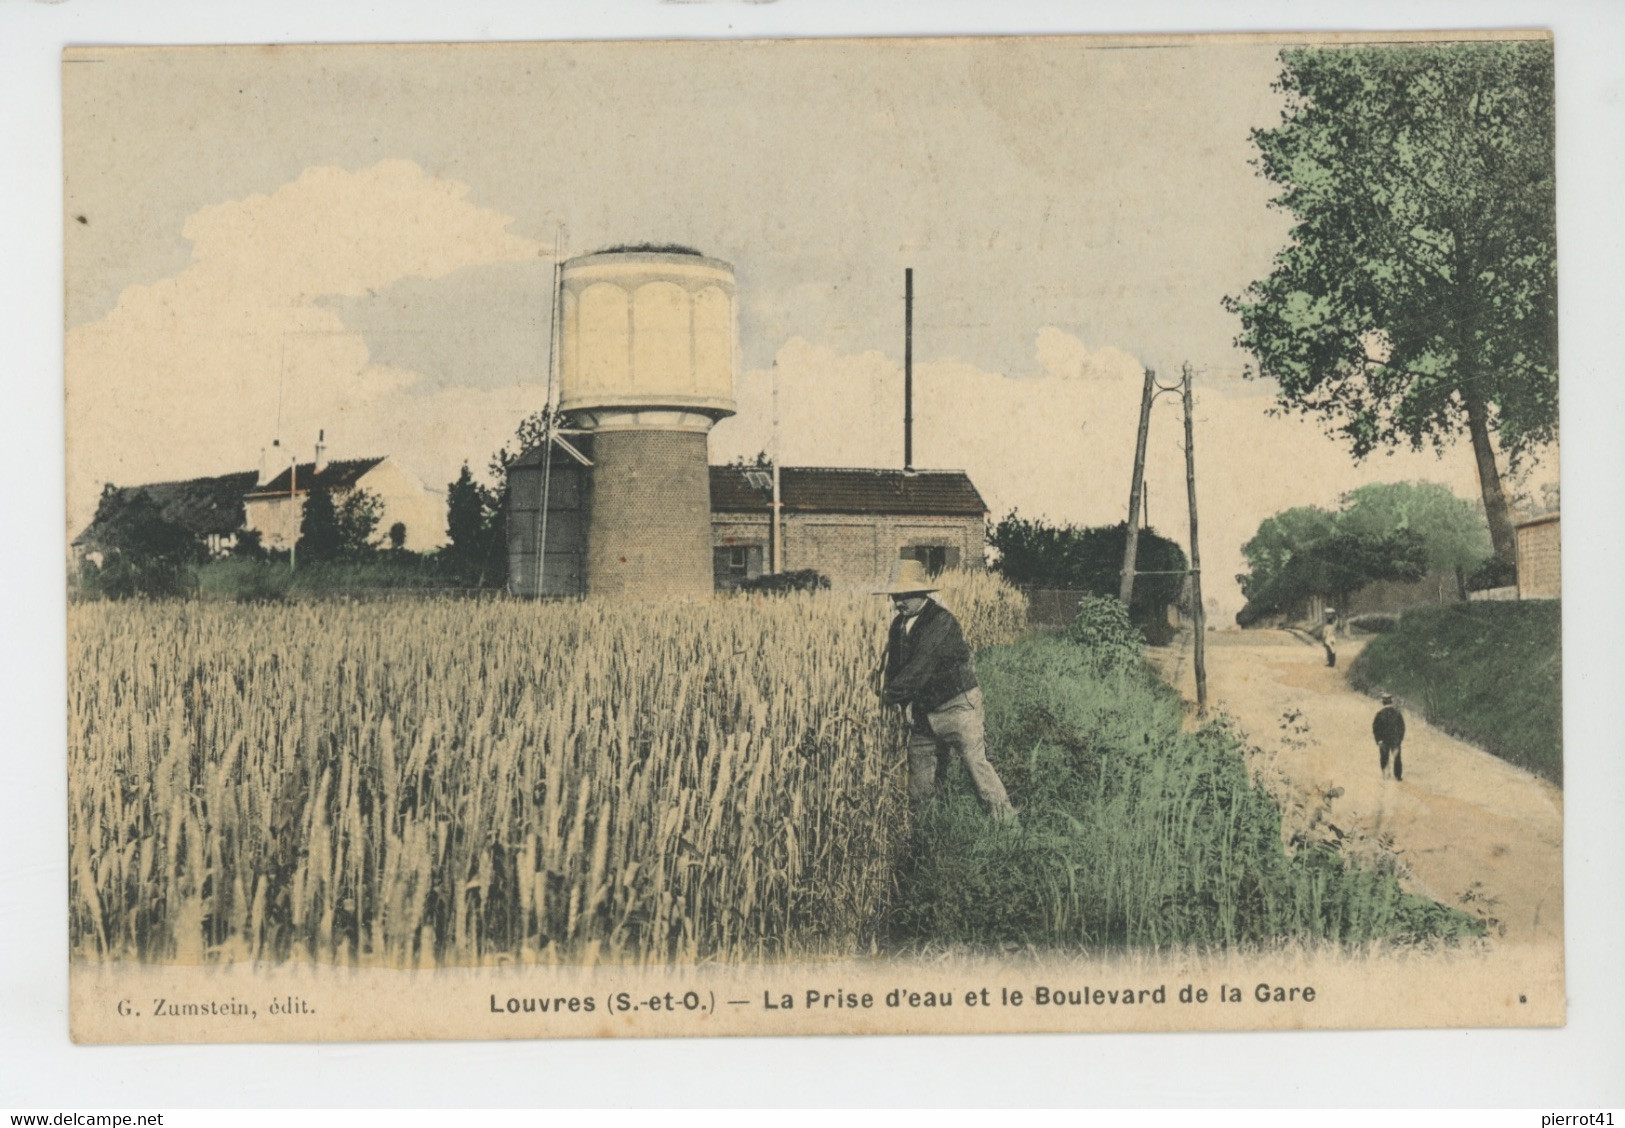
column 1132, row 832
column 1489, row 673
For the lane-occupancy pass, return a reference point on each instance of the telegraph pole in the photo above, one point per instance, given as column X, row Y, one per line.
column 548, row 422
column 776, row 564
column 1199, row 613
column 1131, row 547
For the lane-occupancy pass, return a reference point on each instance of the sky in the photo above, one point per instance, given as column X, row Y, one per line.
column 266, row 242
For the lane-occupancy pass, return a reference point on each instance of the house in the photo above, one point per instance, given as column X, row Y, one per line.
column 850, row 524
column 276, row 506
column 211, row 509
column 216, row 509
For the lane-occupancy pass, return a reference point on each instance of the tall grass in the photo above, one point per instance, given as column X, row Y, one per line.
column 449, row 782
column 422, row 782
column 1132, row 831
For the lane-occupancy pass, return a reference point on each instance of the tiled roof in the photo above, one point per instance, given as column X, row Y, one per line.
column 202, row 505
column 826, row 489
column 340, row 474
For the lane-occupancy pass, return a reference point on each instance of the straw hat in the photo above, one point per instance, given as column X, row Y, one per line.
column 909, row 578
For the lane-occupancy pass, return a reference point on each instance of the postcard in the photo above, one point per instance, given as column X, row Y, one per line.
column 958, row 535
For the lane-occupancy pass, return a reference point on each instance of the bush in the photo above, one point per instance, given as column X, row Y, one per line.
column 1493, row 573
column 1132, row 831
column 245, row 580
column 271, row 579
column 144, row 552
column 1034, row 554
column 1102, row 628
column 1374, row 623
column 1488, row 672
column 807, row 579
column 123, row 576
column 1157, row 630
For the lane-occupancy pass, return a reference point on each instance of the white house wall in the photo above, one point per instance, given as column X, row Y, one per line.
column 407, row 501
column 276, row 519
column 404, row 499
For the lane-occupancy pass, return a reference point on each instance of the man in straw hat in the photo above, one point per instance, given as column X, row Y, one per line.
column 1389, row 729
column 930, row 673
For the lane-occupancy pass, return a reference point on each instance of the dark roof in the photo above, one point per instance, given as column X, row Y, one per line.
column 829, row 489
column 340, row 474
column 203, row 506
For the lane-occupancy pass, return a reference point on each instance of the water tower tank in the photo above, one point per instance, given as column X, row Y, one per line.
column 647, row 361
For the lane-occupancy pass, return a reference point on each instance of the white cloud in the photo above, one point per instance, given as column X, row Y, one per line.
column 196, row 373
column 1064, row 356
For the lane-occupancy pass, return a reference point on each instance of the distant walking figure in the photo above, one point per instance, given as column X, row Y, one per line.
column 1389, row 729
column 930, row 673
column 1328, row 637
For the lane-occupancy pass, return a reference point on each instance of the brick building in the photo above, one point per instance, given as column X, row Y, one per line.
column 1540, row 558
column 852, row 525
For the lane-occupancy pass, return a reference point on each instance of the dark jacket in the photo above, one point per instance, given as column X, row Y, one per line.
column 1389, row 725
column 930, row 664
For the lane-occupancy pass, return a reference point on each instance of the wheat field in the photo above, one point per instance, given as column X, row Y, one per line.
column 422, row 782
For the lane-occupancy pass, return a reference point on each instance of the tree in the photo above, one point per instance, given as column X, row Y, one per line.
column 475, row 526
column 143, row 551
column 1036, row 554
column 319, row 535
column 358, row 515
column 530, row 433
column 1280, row 570
column 397, row 536
column 1307, row 551
column 1454, row 535
column 1348, row 561
column 338, row 530
column 249, row 545
column 1418, row 293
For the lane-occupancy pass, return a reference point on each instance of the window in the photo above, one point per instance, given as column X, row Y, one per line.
column 732, row 565
column 935, row 557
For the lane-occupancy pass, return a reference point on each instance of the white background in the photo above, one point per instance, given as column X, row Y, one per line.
column 1580, row 1066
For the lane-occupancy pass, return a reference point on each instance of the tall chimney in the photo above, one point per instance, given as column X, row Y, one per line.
column 908, row 370
column 271, row 461
column 321, row 450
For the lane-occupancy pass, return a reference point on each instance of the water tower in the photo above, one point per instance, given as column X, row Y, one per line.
column 646, row 364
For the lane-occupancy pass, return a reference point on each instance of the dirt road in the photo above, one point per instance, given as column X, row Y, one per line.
column 1468, row 830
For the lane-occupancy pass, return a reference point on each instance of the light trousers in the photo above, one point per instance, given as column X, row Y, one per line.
column 958, row 726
